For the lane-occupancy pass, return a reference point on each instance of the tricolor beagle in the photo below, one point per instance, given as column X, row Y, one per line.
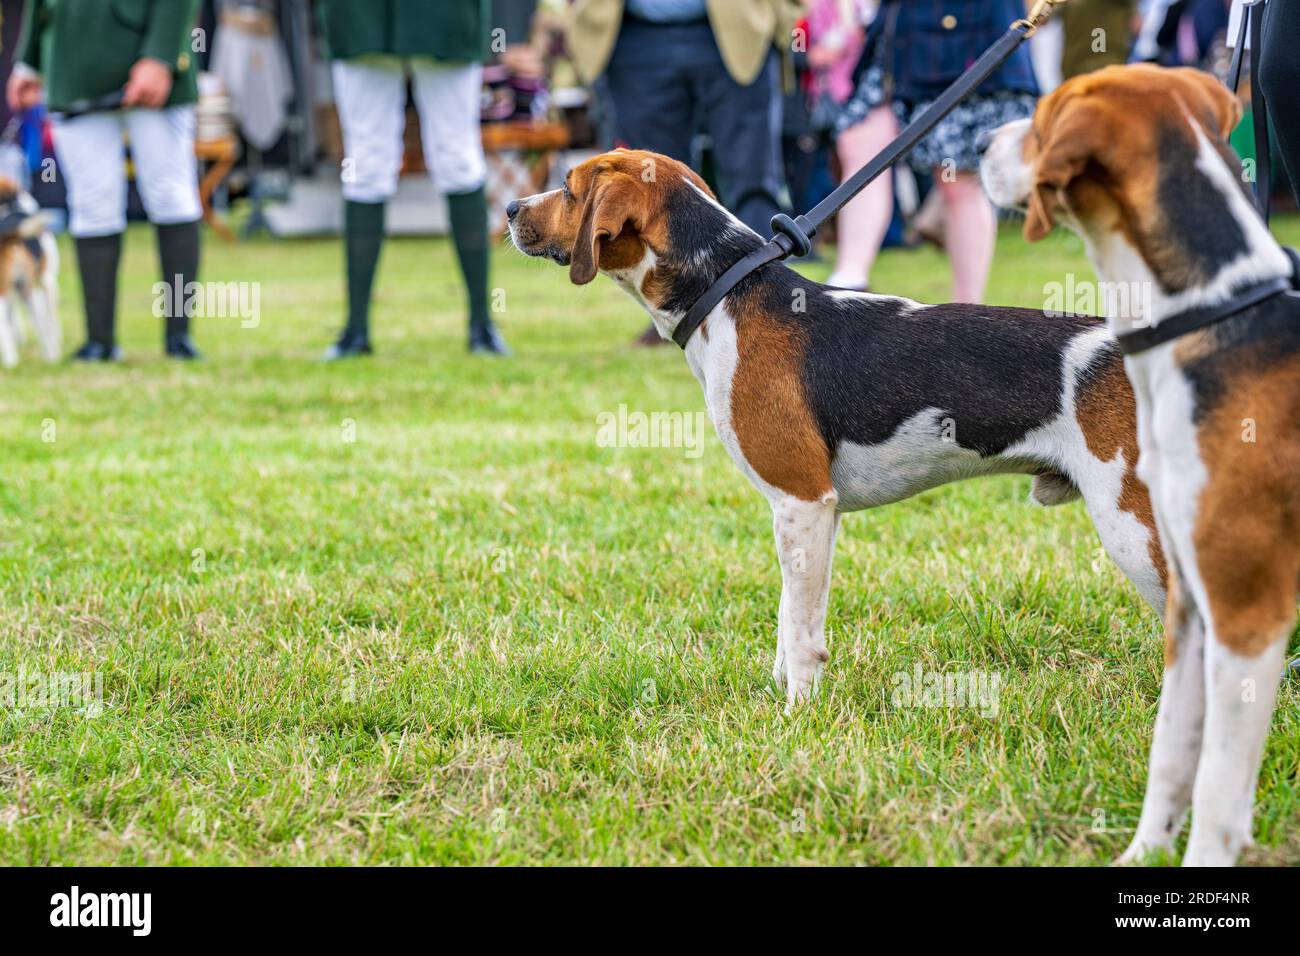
column 1135, row 160
column 832, row 401
column 29, row 270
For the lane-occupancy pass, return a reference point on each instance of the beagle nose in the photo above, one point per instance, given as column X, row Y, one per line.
column 512, row 209
column 983, row 140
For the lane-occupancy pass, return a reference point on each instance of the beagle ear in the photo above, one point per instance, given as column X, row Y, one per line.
column 1070, row 143
column 610, row 206
column 1218, row 107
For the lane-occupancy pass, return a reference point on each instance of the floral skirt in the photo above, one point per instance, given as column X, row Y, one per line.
column 952, row 142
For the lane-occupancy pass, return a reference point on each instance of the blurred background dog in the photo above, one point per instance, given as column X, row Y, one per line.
column 29, row 273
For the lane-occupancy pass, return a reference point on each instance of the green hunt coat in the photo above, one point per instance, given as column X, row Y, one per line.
column 451, row 30
column 84, row 49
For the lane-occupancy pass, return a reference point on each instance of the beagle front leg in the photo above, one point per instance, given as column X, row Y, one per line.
column 805, row 540
column 1176, row 746
column 1241, row 691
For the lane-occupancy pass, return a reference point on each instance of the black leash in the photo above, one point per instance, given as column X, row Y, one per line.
column 794, row 236
column 1252, row 25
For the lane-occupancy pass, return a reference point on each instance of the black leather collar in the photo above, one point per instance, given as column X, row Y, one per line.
column 1176, row 326
column 768, row 252
column 11, row 217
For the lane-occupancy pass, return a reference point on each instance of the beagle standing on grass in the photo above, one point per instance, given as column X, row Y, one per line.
column 1135, row 160
column 29, row 267
column 832, row 401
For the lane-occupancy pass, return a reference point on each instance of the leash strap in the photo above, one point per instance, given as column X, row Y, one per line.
column 1252, row 25
column 1259, row 114
column 1140, row 340
column 794, row 236
column 1239, row 49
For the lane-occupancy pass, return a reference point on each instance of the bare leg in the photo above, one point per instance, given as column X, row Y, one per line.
column 863, row 222
column 972, row 233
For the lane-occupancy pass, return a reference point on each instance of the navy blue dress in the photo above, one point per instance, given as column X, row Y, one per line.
column 915, row 49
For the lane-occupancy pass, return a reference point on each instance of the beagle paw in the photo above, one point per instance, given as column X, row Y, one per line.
column 1142, row 851
column 778, row 667
column 803, row 674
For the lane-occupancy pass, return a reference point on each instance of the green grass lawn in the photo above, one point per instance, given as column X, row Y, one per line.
column 408, row 610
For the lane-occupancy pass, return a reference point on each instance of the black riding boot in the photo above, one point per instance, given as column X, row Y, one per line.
column 97, row 261
column 469, row 232
column 363, row 238
column 178, row 251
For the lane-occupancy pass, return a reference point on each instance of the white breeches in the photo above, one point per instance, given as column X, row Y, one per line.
column 371, row 97
column 92, row 157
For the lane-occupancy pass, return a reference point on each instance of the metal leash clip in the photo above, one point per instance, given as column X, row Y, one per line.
column 1039, row 14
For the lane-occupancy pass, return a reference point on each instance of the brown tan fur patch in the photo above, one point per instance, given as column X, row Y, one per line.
column 1107, row 413
column 770, row 413
column 1247, row 534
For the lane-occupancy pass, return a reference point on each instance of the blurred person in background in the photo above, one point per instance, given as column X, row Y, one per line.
column 669, row 67
column 75, row 53
column 1182, row 33
column 376, row 45
column 835, row 31
column 914, row 51
column 1098, row 33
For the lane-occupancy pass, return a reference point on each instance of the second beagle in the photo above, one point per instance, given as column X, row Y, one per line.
column 1135, row 159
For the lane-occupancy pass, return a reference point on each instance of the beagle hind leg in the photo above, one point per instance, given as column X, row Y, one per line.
column 805, row 541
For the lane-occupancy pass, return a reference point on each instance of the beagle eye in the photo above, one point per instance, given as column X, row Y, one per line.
column 565, row 191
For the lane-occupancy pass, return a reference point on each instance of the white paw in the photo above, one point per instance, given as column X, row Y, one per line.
column 1139, row 851
column 803, row 676
column 1204, row 849
column 778, row 668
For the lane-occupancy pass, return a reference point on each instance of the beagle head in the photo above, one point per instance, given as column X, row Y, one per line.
column 1120, row 151
column 648, row 221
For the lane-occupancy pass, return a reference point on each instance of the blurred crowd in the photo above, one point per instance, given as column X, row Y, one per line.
column 777, row 100
column 773, row 101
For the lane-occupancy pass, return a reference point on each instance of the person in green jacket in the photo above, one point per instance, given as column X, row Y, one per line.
column 74, row 54
column 376, row 45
